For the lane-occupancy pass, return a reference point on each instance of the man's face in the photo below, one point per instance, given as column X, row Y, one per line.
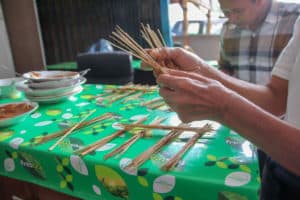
column 243, row 13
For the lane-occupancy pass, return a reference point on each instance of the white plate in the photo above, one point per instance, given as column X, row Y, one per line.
column 53, row 84
column 17, row 118
column 50, row 75
column 48, row 92
column 55, row 98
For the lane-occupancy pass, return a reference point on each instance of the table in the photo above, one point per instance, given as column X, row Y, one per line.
column 222, row 165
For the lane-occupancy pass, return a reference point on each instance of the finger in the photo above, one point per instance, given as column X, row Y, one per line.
column 179, row 84
column 145, row 66
column 190, row 75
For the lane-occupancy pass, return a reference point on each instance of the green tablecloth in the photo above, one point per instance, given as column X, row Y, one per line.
column 222, row 165
column 63, row 66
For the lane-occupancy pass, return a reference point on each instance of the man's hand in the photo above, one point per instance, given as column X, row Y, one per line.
column 193, row 96
column 175, row 58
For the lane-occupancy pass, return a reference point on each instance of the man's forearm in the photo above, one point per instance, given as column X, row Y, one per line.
column 271, row 97
column 265, row 130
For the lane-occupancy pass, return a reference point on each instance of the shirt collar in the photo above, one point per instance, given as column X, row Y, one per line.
column 272, row 15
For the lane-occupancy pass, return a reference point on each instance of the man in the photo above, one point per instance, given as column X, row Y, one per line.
column 252, row 39
column 199, row 91
column 254, row 36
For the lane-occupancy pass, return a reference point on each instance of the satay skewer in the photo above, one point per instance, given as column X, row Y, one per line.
column 191, row 142
column 103, row 141
column 131, row 141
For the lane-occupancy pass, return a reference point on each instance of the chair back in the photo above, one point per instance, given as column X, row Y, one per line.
column 106, row 67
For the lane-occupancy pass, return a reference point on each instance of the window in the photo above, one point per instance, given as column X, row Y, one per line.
column 197, row 19
column 289, row 1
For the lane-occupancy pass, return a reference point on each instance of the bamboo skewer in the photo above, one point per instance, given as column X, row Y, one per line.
column 146, row 154
column 161, row 37
column 111, row 93
column 98, row 144
column 151, row 38
column 135, row 88
column 163, row 127
column 133, row 97
column 124, row 147
column 155, row 40
column 152, row 101
column 70, row 131
column 157, row 105
column 121, row 96
column 62, row 132
column 191, row 142
column 146, row 36
column 126, row 43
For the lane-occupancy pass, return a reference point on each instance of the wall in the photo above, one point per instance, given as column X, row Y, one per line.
column 6, row 62
column 70, row 27
column 206, row 46
column 24, row 36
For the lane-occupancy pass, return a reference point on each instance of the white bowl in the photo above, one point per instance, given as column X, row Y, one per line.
column 8, row 86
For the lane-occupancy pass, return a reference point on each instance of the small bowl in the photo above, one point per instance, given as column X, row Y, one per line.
column 8, row 87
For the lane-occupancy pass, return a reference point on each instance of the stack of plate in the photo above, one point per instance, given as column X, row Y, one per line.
column 51, row 86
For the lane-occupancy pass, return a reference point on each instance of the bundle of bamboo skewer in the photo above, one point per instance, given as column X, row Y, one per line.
column 47, row 138
column 176, row 158
column 132, row 140
column 127, row 92
column 139, row 160
column 92, row 147
column 176, row 131
column 126, row 43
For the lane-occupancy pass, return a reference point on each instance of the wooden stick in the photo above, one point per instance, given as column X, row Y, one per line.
column 133, row 97
column 146, row 36
column 121, row 96
column 176, row 158
column 154, row 37
column 70, row 130
column 126, row 43
column 124, row 147
column 135, row 88
column 103, row 141
column 146, row 154
column 163, row 127
column 161, row 37
column 62, row 132
column 152, row 101
column 157, row 105
column 132, row 45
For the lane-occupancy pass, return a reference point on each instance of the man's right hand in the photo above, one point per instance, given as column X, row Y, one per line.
column 175, row 58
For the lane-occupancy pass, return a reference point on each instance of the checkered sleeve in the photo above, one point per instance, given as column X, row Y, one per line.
column 223, row 62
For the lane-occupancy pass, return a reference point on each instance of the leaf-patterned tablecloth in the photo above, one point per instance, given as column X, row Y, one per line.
column 221, row 165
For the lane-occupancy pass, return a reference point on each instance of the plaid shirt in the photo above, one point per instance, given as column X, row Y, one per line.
column 251, row 55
